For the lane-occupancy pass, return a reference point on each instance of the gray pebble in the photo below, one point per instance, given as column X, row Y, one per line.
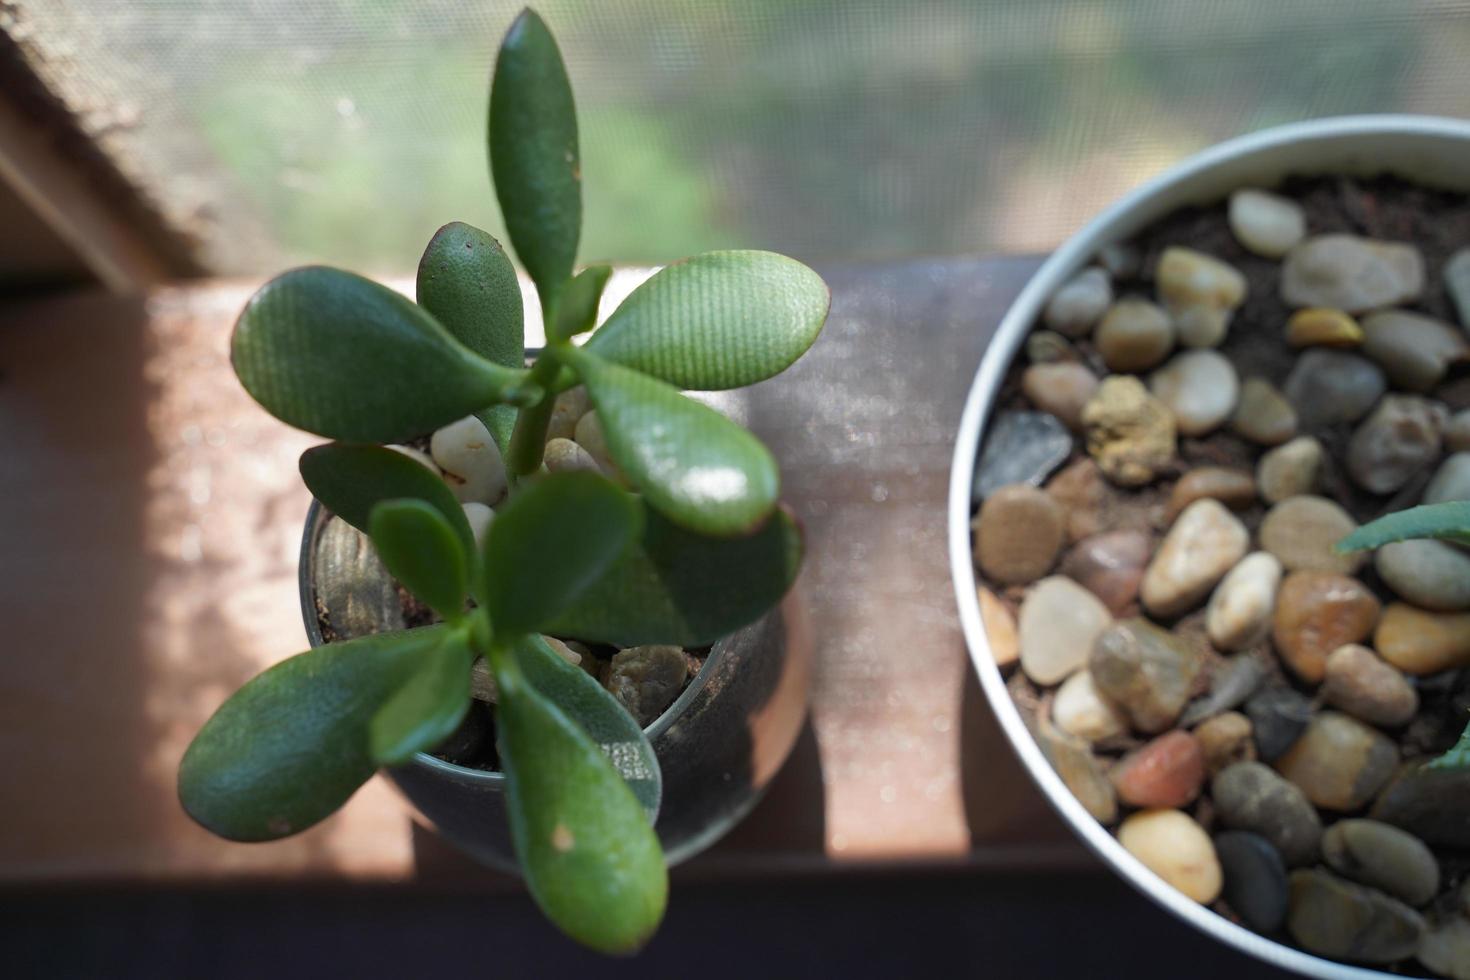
column 1329, row 386
column 1414, row 350
column 1457, row 284
column 1251, row 796
column 1384, row 857
column 1428, row 803
column 1426, row 573
column 1337, row 918
column 1231, row 685
column 1451, row 481
column 1278, row 716
column 1022, row 447
column 1400, row 438
column 1255, row 879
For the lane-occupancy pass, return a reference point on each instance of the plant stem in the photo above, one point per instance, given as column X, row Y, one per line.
column 528, row 439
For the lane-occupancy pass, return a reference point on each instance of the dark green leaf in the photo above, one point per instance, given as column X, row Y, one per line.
column 420, row 549
column 694, row 465
column 601, row 716
column 577, row 309
column 339, row 355
column 678, row 587
column 292, row 745
column 548, row 544
column 428, row 707
column 351, row 480
column 533, row 152
column 590, row 856
column 718, row 320
column 1449, row 521
column 1457, row 757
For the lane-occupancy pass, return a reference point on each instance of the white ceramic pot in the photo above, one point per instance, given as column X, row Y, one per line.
column 1427, row 150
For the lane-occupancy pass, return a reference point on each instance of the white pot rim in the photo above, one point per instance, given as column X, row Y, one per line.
column 1427, row 149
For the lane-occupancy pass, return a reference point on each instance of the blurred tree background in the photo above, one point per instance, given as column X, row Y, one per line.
column 281, row 131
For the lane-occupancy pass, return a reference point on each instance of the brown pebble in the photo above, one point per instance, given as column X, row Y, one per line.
column 1061, row 388
column 1235, row 489
column 1419, row 642
column 1167, row 771
column 1225, row 740
column 1317, row 612
column 1363, row 685
column 1339, row 762
column 1000, row 628
column 1110, row 565
column 1017, row 534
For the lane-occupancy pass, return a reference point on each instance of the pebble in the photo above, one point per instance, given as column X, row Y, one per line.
column 1130, row 433
column 1146, row 671
column 1451, row 481
column 1290, row 470
column 1205, row 542
column 646, row 679
column 1174, row 847
column 1336, row 918
column 1110, row 565
column 1135, row 335
column 1165, row 772
column 1018, row 533
column 420, row 457
column 1351, row 273
column 1457, row 431
column 1081, row 771
column 1339, row 762
column 470, row 460
column 1079, row 303
column 1400, row 438
column 1321, row 327
column 1058, row 623
column 1419, row 642
column 1200, row 292
column 1429, row 574
column 566, row 411
column 1239, row 613
column 564, row 456
column 1255, row 879
column 1457, row 284
column 1122, row 260
column 1200, row 326
column 1062, row 388
column 1317, row 612
column 1428, row 803
column 1049, row 347
column 1359, row 682
column 1233, row 488
column 1330, row 386
column 1278, row 716
column 479, row 517
column 1080, row 709
column 1000, row 628
column 1414, row 350
column 1225, row 740
column 1303, row 531
column 1384, row 857
column 590, row 436
column 1263, row 416
column 1445, row 949
column 1250, row 796
column 1022, row 447
column 1266, row 224
column 1231, row 683
column 1201, row 389
column 1083, row 494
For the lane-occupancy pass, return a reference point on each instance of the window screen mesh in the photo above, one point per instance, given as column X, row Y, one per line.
column 281, row 131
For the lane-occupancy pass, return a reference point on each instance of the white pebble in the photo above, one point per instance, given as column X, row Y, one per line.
column 1239, row 613
column 479, row 517
column 470, row 460
column 564, row 455
column 1201, row 389
column 1174, row 847
column 1080, row 709
column 1266, row 224
column 1290, row 469
column 418, row 456
column 1457, row 283
column 1059, row 620
column 1080, row 303
column 1451, row 481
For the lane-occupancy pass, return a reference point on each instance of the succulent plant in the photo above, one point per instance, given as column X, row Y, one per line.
column 1449, row 521
column 689, row 544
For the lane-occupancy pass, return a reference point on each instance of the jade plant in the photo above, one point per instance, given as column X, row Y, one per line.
column 683, row 543
column 1449, row 521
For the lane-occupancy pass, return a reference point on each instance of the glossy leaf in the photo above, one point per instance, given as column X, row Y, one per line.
column 420, row 548
column 576, row 310
column 589, row 853
column 1448, row 521
column 467, row 282
column 344, row 357
column 291, row 746
column 678, row 587
column 718, row 320
column 351, row 480
column 533, row 152
column 548, row 544
column 428, row 707
column 601, row 716
column 693, row 465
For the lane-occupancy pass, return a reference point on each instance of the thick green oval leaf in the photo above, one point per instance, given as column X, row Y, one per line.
column 718, row 320
column 589, row 853
column 601, row 716
column 576, row 310
column 351, row 480
column 428, row 707
column 693, row 465
column 1449, row 521
column 678, row 587
column 548, row 544
column 344, row 357
column 291, row 746
column 422, row 551
column 1457, row 757
column 533, row 152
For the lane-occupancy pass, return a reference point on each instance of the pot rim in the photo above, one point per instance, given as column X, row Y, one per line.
column 1123, row 218
column 306, row 577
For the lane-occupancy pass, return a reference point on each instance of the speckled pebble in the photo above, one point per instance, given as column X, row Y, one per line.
column 1250, row 796
column 1130, row 433
column 1018, row 533
column 1399, row 439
